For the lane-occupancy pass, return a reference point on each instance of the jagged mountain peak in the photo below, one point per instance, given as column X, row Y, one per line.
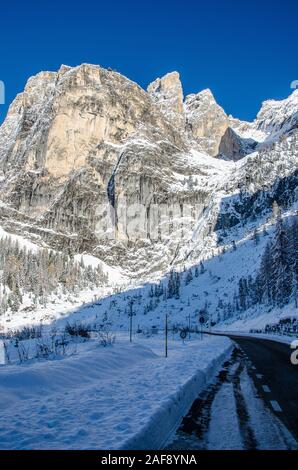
column 167, row 94
column 198, row 115
column 206, row 121
column 278, row 116
column 166, row 83
column 205, row 94
column 39, row 77
column 285, row 102
column 72, row 111
column 197, row 120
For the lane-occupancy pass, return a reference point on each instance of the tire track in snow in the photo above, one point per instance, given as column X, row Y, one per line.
column 228, row 415
column 193, row 429
column 195, row 426
column 249, row 440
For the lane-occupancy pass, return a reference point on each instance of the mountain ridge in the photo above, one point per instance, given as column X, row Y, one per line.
column 144, row 181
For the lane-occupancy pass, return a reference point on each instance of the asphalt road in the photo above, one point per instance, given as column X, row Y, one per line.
column 275, row 377
column 231, row 413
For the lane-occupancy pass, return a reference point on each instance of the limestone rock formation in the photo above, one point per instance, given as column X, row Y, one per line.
column 206, row 121
column 167, row 93
column 199, row 116
column 234, row 147
column 77, row 141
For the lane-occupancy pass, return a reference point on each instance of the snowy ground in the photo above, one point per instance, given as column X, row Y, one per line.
column 258, row 318
column 123, row 396
column 63, row 304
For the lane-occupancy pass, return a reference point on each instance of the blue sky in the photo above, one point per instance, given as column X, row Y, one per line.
column 244, row 51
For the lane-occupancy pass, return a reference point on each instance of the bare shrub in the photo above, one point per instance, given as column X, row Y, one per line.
column 52, row 346
column 43, row 350
column 27, row 332
column 78, row 329
column 23, row 352
column 106, row 337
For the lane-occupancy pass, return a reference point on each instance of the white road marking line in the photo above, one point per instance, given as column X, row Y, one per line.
column 275, row 406
column 266, row 388
column 259, row 376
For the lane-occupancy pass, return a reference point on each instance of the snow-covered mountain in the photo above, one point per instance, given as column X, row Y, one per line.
column 142, row 182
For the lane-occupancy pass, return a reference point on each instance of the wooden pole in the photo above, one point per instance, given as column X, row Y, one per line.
column 166, row 336
column 130, row 322
column 130, row 329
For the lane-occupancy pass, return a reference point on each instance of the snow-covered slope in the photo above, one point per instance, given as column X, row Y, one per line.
column 274, row 120
column 278, row 117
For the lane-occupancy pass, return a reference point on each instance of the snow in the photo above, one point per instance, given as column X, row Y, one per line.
column 118, row 397
column 250, row 133
column 125, row 396
column 257, row 319
column 269, row 432
column 276, row 117
column 62, row 305
column 227, row 436
column 57, row 308
column 230, row 415
column 219, row 281
column 116, row 275
column 23, row 242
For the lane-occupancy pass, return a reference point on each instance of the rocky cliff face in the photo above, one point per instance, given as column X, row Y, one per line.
column 167, row 94
column 199, row 117
column 206, row 121
column 78, row 143
column 235, row 147
column 91, row 162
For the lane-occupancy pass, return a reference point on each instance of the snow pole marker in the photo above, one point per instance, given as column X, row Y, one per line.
column 202, row 321
column 166, row 336
column 130, row 320
column 189, row 326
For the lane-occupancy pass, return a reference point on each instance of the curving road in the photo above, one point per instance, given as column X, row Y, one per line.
column 274, row 376
column 251, row 405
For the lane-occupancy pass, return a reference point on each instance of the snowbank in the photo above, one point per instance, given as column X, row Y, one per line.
column 270, row 337
column 121, row 397
column 256, row 318
column 198, row 372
